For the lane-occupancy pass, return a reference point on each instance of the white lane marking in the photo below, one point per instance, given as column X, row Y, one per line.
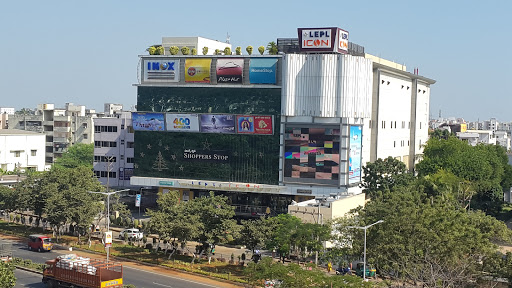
column 162, row 285
column 195, row 282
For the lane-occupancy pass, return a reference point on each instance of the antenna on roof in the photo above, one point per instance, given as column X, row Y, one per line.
column 227, row 37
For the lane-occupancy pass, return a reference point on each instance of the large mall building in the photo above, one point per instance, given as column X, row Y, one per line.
column 264, row 130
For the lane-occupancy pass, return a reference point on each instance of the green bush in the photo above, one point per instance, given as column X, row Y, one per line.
column 160, row 50
column 27, row 262
column 227, row 51
column 217, row 52
column 193, row 51
column 18, row 218
column 136, row 223
column 152, row 50
column 205, row 50
column 261, row 49
column 238, row 50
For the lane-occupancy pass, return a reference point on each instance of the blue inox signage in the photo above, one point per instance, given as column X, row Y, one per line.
column 164, row 70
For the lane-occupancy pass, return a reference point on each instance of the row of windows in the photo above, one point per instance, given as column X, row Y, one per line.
column 104, row 159
column 98, row 158
column 18, row 153
column 103, row 174
column 98, row 129
column 99, row 144
column 402, row 143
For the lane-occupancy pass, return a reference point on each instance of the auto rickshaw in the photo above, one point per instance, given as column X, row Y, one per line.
column 370, row 270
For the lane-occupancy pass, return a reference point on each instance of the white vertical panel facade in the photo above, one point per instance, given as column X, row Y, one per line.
column 327, row 85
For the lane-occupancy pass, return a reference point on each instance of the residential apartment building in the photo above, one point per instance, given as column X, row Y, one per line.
column 113, row 149
column 22, row 150
column 62, row 127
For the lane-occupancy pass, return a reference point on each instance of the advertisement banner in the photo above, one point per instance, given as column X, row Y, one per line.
column 342, row 41
column 108, row 237
column 215, row 123
column 230, row 70
column 138, row 197
column 161, row 70
column 262, row 70
column 182, row 122
column 148, row 121
column 354, row 159
column 197, row 70
column 254, row 125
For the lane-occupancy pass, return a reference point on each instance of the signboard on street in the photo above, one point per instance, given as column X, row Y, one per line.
column 137, row 200
column 108, row 238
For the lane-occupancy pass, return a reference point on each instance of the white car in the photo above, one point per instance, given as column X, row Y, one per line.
column 133, row 233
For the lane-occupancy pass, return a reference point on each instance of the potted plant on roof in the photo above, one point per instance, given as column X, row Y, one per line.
column 249, row 50
column 205, row 50
column 238, row 50
column 152, row 50
column 185, row 50
column 174, row 50
column 227, row 51
column 193, row 51
column 261, row 49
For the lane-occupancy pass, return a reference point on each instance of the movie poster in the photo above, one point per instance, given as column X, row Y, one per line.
column 217, row 123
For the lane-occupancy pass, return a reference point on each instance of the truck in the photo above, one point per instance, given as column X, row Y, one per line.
column 71, row 270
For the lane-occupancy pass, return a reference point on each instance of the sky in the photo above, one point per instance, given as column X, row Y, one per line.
column 87, row 52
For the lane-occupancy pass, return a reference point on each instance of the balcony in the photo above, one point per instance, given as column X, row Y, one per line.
column 62, row 118
column 62, row 129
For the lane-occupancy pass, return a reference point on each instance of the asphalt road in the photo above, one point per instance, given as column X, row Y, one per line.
column 28, row 279
column 131, row 275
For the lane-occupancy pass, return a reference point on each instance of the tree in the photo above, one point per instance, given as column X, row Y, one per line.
column 193, row 51
column 67, row 199
column 272, row 48
column 77, row 155
column 261, row 49
column 285, row 227
column 238, row 50
column 7, row 278
column 8, row 199
column 205, row 50
column 426, row 239
column 249, row 50
column 382, row 175
column 254, row 233
column 174, row 50
column 484, row 166
column 227, row 51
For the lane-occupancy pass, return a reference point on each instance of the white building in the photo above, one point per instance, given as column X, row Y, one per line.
column 22, row 150
column 475, row 137
column 113, row 149
column 503, row 139
column 111, row 108
column 62, row 126
column 7, row 110
column 194, row 42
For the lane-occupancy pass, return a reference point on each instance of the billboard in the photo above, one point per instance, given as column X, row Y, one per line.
column 197, row 70
column 262, row 70
column 247, row 124
column 182, row 122
column 161, row 70
column 329, row 39
column 219, row 156
column 230, row 70
column 148, row 121
column 217, row 123
column 354, row 158
column 312, row 155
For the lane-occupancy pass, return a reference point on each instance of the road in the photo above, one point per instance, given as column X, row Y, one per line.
column 131, row 274
column 28, row 279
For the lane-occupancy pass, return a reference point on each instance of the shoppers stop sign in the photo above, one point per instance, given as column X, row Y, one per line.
column 329, row 39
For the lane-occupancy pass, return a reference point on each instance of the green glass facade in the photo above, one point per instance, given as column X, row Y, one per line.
column 243, row 158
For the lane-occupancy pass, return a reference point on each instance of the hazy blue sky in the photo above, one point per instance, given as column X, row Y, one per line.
column 86, row 52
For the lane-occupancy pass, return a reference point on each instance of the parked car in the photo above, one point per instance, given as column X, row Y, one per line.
column 133, row 233
column 39, row 243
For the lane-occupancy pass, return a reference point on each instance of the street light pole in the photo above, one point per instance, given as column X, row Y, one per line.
column 108, row 210
column 364, row 251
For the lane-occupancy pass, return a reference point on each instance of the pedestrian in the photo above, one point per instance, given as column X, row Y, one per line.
column 329, row 267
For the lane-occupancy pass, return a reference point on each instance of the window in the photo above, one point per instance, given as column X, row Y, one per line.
column 122, row 157
column 33, row 152
column 383, row 124
column 99, row 129
column 122, row 126
column 104, row 174
column 17, row 153
column 86, row 136
column 130, row 160
column 394, row 143
column 99, row 144
column 420, row 125
column 84, row 125
column 403, row 124
column 130, row 145
column 130, row 129
column 122, row 141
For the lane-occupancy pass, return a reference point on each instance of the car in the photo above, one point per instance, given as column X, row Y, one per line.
column 39, row 243
column 132, row 233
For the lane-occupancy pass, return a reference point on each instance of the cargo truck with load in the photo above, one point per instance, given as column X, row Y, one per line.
column 72, row 270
